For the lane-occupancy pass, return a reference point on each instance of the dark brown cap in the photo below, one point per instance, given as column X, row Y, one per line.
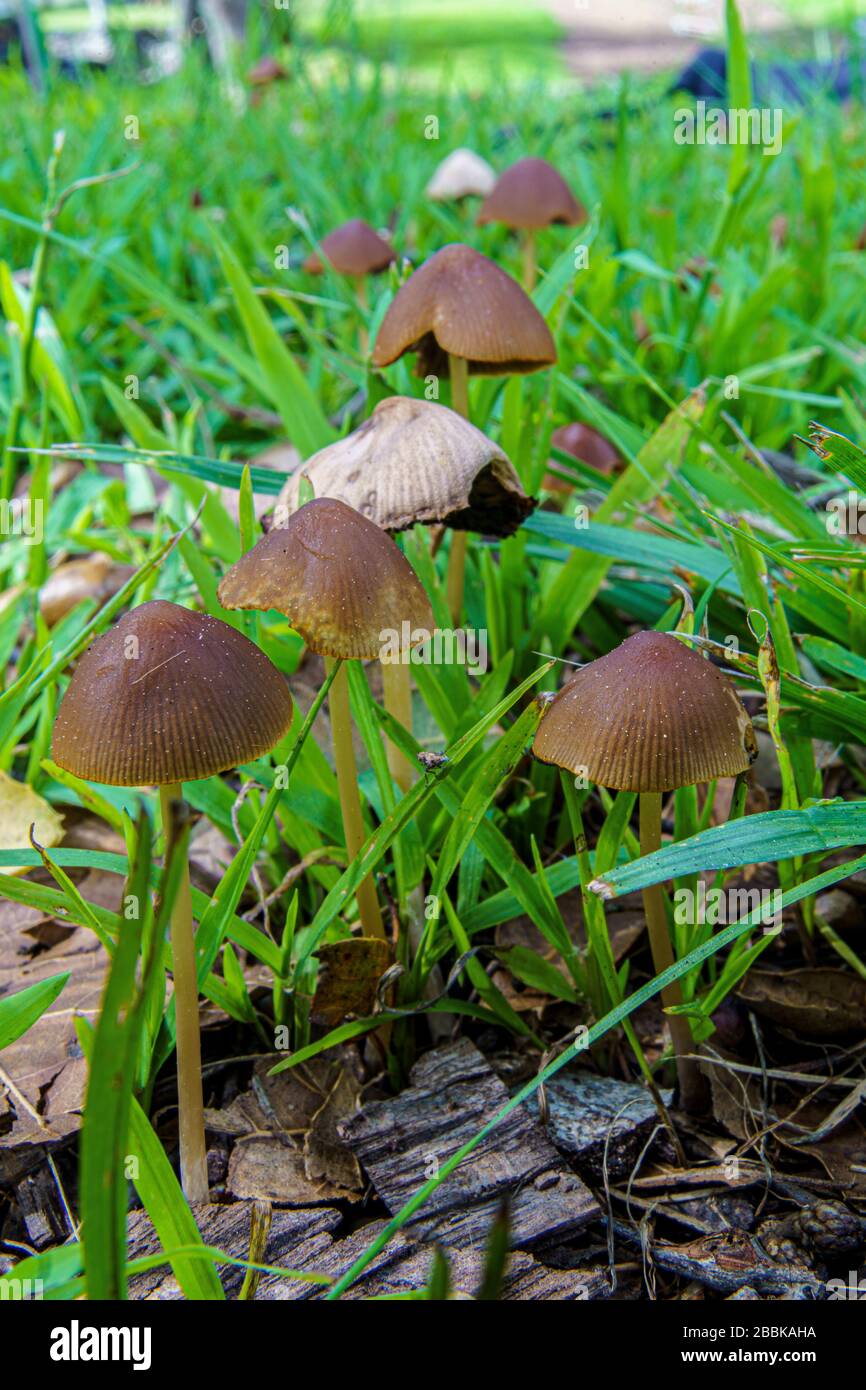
column 341, row 581
column 416, row 461
column 648, row 717
column 531, row 194
column 459, row 302
column 168, row 695
column 352, row 249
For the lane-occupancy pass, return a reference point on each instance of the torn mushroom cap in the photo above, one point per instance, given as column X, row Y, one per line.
column 531, row 194
column 648, row 717
column 167, row 695
column 462, row 174
column 459, row 302
column 416, row 461
column 352, row 249
column 340, row 580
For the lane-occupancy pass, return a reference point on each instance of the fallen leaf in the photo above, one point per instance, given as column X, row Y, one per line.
column 349, row 974
column 813, row 1003
column 21, row 807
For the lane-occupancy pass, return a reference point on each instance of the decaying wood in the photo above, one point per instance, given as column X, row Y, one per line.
column 401, row 1142
column 297, row 1240
column 404, row 1266
column 590, row 1114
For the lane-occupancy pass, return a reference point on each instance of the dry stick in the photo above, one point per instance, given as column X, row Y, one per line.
column 693, row 1086
column 398, row 702
column 350, row 801
column 529, row 268
column 458, row 369
column 193, row 1152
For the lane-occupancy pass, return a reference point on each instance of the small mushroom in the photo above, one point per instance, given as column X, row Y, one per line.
column 167, row 696
column 461, row 314
column 586, row 444
column 462, row 174
column 415, row 461
column 267, row 70
column 529, row 195
column 355, row 250
column 351, row 593
column 650, row 717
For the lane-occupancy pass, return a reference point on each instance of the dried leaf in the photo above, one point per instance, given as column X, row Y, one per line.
column 21, row 807
column 349, row 973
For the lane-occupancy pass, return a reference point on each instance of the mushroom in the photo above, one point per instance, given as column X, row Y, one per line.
column 462, row 174
column 650, row 717
column 353, row 249
column 529, row 195
column 586, row 444
column 461, row 314
column 415, row 461
column 167, row 696
column 267, row 70
column 351, row 593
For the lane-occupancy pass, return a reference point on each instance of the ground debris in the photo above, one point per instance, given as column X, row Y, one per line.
column 727, row 1262
column 401, row 1142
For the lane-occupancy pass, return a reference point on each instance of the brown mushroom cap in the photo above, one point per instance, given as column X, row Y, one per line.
column 416, row 461
column 338, row 578
column 352, row 249
column 586, row 444
column 459, row 302
column 168, row 695
column 462, row 174
column 266, row 70
column 531, row 194
column 648, row 717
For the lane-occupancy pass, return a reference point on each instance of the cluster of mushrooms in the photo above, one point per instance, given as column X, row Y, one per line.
column 168, row 695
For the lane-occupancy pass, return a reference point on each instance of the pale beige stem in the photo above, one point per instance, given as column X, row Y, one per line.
column 350, row 800
column 398, row 702
column 193, row 1151
column 363, row 336
column 693, row 1086
column 530, row 273
column 458, row 368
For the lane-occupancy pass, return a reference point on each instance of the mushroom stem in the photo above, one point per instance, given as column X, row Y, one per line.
column 693, row 1090
column 529, row 267
column 398, row 702
column 193, row 1151
column 350, row 801
column 458, row 369
column 363, row 335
